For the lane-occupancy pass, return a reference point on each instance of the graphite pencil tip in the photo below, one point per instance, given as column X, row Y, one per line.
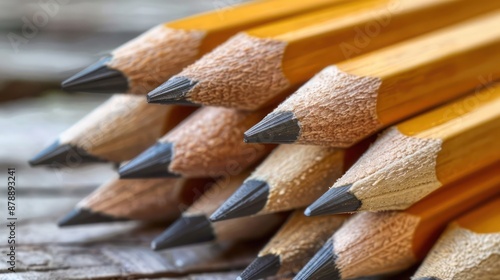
column 334, row 201
column 97, row 78
column 152, row 163
column 321, row 266
column 277, row 127
column 173, row 91
column 186, row 230
column 249, row 199
column 261, row 268
column 427, row 278
column 83, row 216
column 63, row 155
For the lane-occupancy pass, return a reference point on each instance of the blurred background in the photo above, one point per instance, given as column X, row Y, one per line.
column 42, row 42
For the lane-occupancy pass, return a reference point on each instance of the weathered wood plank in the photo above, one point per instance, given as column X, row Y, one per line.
column 231, row 275
column 116, row 250
column 102, row 273
column 125, row 260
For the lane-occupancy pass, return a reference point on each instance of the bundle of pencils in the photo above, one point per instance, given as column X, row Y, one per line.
column 320, row 78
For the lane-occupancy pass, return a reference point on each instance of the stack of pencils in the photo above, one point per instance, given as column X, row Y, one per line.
column 363, row 128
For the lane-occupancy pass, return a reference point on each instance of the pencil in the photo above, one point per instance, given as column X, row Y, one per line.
column 194, row 227
column 291, row 177
column 471, row 243
column 353, row 99
column 116, row 131
column 207, row 144
column 292, row 246
column 287, row 53
column 145, row 200
column 372, row 243
column 412, row 159
column 150, row 59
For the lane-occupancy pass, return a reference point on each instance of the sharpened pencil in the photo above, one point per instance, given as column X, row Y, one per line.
column 194, row 227
column 292, row 246
column 372, row 243
column 145, row 200
column 116, row 131
column 207, row 144
column 150, row 59
column 469, row 249
column 287, row 53
column 414, row 158
column 291, row 177
column 349, row 101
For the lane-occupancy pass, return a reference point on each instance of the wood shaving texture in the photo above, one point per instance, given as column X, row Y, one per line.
column 395, row 172
column 155, row 56
column 128, row 198
column 335, row 108
column 243, row 73
column 300, row 238
column 210, row 143
column 375, row 243
column 297, row 175
column 461, row 254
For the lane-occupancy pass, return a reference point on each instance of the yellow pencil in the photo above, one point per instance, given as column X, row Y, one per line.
column 412, row 159
column 147, row 61
column 374, row 243
column 255, row 68
column 468, row 249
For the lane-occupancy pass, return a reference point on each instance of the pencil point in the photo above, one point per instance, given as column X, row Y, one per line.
column 334, row 201
column 261, row 268
column 83, row 216
column 152, row 163
column 186, row 230
column 97, row 78
column 427, row 278
column 173, row 91
column 277, row 127
column 63, row 155
column 249, row 199
column 321, row 266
